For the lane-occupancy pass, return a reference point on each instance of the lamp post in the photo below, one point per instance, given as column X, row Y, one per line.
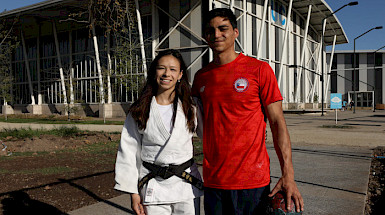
column 322, row 54
column 374, row 88
column 354, row 66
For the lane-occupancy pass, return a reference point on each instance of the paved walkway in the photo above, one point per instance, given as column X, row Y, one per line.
column 332, row 180
column 331, row 164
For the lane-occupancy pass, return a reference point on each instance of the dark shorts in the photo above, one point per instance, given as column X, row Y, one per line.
column 239, row 202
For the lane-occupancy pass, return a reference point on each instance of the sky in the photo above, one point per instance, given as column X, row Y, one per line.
column 355, row 21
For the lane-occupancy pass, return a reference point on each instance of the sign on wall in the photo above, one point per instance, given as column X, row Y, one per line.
column 278, row 12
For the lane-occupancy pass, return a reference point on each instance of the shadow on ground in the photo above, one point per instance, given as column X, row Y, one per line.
column 19, row 202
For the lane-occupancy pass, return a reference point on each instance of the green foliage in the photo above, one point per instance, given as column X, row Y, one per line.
column 118, row 20
column 198, row 150
column 20, row 133
column 315, row 98
column 30, row 133
column 101, row 148
column 46, row 171
column 65, row 131
column 7, row 46
column 51, row 120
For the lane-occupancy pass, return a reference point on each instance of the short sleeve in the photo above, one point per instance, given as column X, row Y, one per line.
column 269, row 90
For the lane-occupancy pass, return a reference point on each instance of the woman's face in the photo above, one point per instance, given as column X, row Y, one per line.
column 168, row 73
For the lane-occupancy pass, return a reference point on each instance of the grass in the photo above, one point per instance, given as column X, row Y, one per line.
column 30, row 133
column 47, row 170
column 337, row 126
column 198, row 150
column 56, row 119
column 100, row 148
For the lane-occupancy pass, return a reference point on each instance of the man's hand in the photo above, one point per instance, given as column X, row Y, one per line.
column 289, row 186
column 282, row 147
column 136, row 204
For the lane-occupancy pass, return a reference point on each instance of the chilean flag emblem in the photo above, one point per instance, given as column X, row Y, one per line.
column 241, row 85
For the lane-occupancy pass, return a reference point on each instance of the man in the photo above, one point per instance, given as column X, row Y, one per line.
column 238, row 93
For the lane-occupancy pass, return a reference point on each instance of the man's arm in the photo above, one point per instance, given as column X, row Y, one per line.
column 282, row 147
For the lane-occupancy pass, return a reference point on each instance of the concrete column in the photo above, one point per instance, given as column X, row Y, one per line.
column 7, row 109
column 383, row 78
column 363, row 68
column 340, row 72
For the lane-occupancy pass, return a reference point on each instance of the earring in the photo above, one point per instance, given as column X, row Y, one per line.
column 178, row 80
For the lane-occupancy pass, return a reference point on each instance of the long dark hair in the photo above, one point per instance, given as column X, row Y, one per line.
column 140, row 109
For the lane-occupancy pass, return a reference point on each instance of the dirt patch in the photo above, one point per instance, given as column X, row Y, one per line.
column 376, row 188
column 58, row 175
column 49, row 143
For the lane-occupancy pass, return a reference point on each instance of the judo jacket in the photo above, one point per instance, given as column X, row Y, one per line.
column 155, row 145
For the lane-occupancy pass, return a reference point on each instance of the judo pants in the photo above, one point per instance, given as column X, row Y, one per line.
column 189, row 207
column 239, row 202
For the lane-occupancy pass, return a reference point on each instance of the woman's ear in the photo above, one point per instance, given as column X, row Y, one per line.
column 180, row 75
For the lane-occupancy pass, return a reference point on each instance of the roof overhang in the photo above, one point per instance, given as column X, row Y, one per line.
column 48, row 8
column 320, row 10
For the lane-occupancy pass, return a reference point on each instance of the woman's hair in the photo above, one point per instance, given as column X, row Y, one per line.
column 140, row 109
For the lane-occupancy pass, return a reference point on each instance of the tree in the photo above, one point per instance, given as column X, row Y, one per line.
column 7, row 46
column 117, row 19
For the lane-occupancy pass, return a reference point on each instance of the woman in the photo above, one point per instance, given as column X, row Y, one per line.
column 156, row 142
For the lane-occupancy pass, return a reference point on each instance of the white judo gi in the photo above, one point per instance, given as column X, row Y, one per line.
column 155, row 145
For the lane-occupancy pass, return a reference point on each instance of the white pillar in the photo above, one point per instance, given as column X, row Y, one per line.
column 284, row 54
column 72, row 96
column 246, row 47
column 302, row 63
column 28, row 70
column 262, row 29
column 97, row 59
column 109, row 90
column 144, row 65
column 59, row 62
column 155, row 27
column 327, row 91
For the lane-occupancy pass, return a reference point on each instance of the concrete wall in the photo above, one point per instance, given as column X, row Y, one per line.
column 117, row 110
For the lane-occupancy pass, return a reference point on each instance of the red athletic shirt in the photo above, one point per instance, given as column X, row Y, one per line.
column 233, row 97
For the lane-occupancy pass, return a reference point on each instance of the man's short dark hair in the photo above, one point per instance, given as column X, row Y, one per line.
column 222, row 12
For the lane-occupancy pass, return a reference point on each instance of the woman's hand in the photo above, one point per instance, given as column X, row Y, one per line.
column 136, row 204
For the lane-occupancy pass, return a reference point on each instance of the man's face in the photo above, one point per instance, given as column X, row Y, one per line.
column 220, row 35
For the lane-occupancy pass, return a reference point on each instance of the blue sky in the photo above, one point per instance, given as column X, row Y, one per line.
column 355, row 20
column 358, row 19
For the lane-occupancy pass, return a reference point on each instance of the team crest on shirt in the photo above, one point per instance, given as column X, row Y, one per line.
column 241, row 85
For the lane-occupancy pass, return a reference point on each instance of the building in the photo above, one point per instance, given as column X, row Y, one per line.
column 60, row 64
column 369, row 78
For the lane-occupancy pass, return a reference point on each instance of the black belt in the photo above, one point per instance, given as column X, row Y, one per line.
column 166, row 172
